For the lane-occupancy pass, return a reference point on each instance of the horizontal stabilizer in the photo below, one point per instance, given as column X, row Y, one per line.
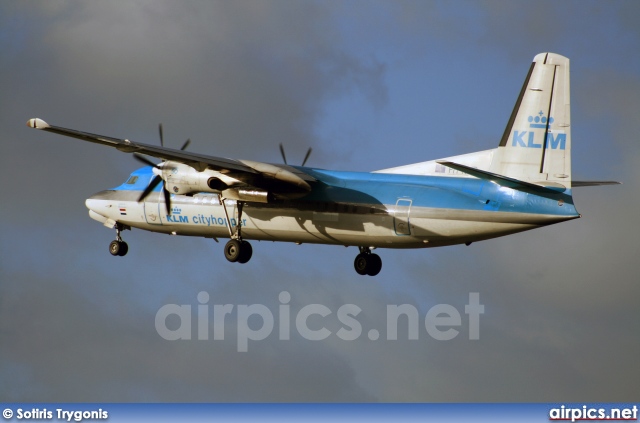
column 504, row 181
column 593, row 183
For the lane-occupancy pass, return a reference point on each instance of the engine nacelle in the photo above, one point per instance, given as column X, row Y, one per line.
column 273, row 182
column 183, row 179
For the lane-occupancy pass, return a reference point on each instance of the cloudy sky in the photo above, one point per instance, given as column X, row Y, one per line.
column 368, row 85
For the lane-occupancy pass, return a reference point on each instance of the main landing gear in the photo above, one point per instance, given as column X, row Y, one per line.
column 118, row 247
column 237, row 250
column 367, row 263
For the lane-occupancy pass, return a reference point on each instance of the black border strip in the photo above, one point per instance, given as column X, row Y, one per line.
column 546, row 129
column 514, row 113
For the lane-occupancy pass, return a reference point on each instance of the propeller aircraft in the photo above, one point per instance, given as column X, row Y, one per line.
column 524, row 183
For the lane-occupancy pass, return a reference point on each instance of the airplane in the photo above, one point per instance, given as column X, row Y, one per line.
column 524, row 183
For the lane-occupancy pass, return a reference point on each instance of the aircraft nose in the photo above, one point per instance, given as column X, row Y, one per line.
column 98, row 204
column 92, row 203
column 98, row 200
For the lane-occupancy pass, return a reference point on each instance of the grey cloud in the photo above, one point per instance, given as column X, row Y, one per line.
column 114, row 354
column 249, row 75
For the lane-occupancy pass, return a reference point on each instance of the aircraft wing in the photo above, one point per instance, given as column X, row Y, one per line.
column 260, row 175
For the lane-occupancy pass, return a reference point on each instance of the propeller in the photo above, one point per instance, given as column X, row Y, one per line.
column 157, row 179
column 186, row 144
column 306, row 157
column 154, row 183
column 284, row 157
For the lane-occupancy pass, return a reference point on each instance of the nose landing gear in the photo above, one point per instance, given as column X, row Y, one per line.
column 118, row 247
column 367, row 263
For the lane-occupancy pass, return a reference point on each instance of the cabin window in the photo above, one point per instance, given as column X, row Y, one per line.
column 132, row 180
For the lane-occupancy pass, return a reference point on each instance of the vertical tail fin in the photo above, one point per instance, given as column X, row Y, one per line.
column 536, row 145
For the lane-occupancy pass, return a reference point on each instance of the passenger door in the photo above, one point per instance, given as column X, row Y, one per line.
column 401, row 216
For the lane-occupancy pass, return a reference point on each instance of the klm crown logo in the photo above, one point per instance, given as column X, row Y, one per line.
column 539, row 121
column 555, row 140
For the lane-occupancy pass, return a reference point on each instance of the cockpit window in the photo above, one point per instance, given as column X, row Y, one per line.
column 132, row 180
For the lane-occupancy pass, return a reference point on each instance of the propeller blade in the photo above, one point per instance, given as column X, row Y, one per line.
column 282, row 152
column 186, row 144
column 144, row 160
column 167, row 198
column 154, row 183
column 161, row 135
column 307, row 156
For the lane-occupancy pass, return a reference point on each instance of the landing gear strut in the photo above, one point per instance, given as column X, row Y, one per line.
column 118, row 247
column 367, row 263
column 237, row 250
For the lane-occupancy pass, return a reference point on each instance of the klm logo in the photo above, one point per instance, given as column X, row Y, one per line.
column 528, row 139
column 177, row 219
column 539, row 121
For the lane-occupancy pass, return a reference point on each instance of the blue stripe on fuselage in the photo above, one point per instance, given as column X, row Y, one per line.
column 425, row 191
column 435, row 192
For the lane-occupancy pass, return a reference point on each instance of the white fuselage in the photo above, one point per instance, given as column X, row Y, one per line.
column 394, row 226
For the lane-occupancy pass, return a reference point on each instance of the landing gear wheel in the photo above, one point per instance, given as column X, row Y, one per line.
column 375, row 265
column 361, row 264
column 238, row 251
column 118, row 248
column 367, row 264
column 114, row 248
column 233, row 250
column 245, row 252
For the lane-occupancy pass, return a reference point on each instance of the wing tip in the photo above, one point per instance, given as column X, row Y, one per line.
column 37, row 123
